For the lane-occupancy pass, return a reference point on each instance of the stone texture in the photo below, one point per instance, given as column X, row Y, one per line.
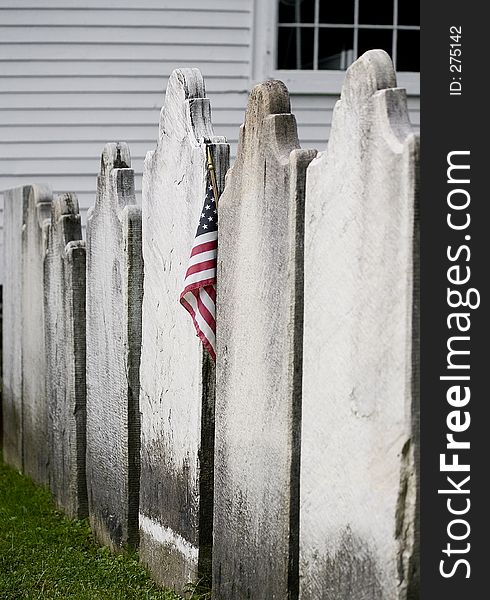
column 177, row 376
column 34, row 399
column 15, row 207
column 64, row 314
column 114, row 295
column 259, row 325
column 360, row 406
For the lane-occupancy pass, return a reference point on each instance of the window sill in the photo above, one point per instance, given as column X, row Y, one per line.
column 330, row 82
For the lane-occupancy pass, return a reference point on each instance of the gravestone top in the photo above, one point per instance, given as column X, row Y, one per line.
column 39, row 201
column 370, row 73
column 115, row 180
column 64, row 204
column 269, row 126
column 187, row 111
column 115, row 155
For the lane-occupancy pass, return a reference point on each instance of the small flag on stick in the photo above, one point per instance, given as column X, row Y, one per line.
column 199, row 294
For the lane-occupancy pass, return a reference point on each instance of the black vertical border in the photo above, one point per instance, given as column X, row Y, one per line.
column 451, row 123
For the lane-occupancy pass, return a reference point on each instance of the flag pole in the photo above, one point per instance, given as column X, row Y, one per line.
column 212, row 174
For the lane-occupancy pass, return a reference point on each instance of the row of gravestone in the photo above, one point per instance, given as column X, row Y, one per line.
column 289, row 468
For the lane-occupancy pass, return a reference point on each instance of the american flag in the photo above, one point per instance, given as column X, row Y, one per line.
column 199, row 294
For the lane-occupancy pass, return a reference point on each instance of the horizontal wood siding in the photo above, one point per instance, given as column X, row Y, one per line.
column 75, row 74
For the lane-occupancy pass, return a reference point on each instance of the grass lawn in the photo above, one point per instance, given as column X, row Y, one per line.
column 45, row 555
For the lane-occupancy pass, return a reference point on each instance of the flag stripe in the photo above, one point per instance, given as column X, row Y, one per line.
column 199, row 294
column 203, row 256
column 208, row 300
column 203, row 309
column 195, row 286
column 211, row 290
column 201, row 266
column 206, row 343
column 203, row 325
column 195, row 277
column 204, row 247
column 205, row 237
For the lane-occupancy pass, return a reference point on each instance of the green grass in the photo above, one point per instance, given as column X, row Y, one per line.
column 45, row 555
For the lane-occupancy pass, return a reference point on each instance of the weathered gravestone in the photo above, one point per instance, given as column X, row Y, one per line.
column 34, row 399
column 15, row 206
column 259, row 327
column 64, row 314
column 114, row 294
column 177, row 375
column 360, row 408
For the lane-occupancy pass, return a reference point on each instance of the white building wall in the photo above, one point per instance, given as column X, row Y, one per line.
column 75, row 74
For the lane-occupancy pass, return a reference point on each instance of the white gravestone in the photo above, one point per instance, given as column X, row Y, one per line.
column 259, row 329
column 34, row 399
column 64, row 314
column 358, row 526
column 114, row 295
column 177, row 375
column 15, row 206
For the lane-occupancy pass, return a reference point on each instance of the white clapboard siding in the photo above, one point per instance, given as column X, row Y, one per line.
column 134, row 16
column 129, row 5
column 76, row 74
column 105, row 100
column 221, row 67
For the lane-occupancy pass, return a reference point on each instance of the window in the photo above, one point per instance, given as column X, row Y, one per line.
column 319, row 35
column 308, row 44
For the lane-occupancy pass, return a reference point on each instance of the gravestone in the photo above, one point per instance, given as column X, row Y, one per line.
column 259, row 327
column 34, row 399
column 15, row 207
column 359, row 474
column 64, row 314
column 177, row 375
column 114, row 294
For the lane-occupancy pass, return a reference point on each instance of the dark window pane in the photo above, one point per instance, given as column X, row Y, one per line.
column 338, row 11
column 376, row 12
column 307, row 10
column 408, row 12
column 296, row 11
column 335, row 48
column 408, row 51
column 374, row 39
column 295, row 48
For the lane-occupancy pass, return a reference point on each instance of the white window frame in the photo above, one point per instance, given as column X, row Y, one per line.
column 300, row 81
